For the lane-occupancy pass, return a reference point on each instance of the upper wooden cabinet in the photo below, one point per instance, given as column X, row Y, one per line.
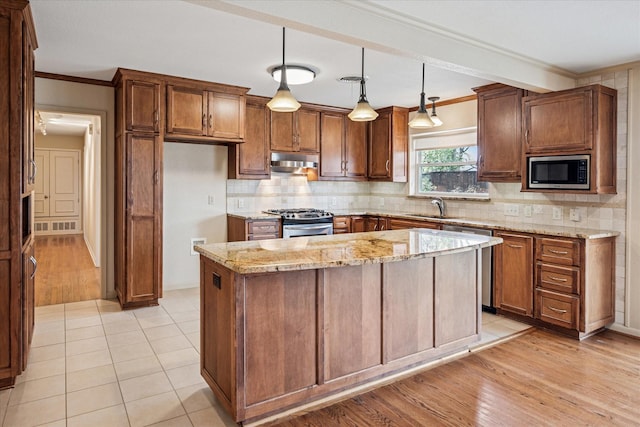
column 343, row 148
column 499, row 133
column 197, row 111
column 142, row 105
column 580, row 120
column 388, row 144
column 296, row 132
column 252, row 160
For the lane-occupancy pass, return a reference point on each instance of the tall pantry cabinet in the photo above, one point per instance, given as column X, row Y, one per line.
column 17, row 177
column 138, row 189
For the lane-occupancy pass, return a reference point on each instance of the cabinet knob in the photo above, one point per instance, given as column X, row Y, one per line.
column 210, row 121
column 156, row 118
column 204, row 120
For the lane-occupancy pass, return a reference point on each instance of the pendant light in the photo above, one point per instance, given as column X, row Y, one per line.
column 434, row 118
column 363, row 111
column 421, row 120
column 283, row 101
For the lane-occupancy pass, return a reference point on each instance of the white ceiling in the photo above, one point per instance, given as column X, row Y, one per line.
column 235, row 42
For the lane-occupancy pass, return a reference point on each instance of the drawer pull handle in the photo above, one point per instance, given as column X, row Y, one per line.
column 515, row 246
column 557, row 279
column 553, row 251
column 557, row 310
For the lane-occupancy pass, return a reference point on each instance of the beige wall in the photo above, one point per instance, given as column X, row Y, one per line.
column 62, row 96
column 192, row 174
column 67, row 142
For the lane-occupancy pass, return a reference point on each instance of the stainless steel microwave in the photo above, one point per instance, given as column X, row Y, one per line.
column 559, row 172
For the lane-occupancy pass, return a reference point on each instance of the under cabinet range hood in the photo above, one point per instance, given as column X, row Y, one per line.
column 295, row 164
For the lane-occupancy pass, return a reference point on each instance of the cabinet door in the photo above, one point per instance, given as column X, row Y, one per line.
column 559, row 121
column 380, row 147
column 282, row 131
column 499, row 134
column 143, row 218
column 142, row 109
column 251, row 160
column 28, row 154
column 513, row 271
column 357, row 224
column 355, row 149
column 371, row 223
column 186, row 111
column 308, row 131
column 226, row 116
column 331, row 155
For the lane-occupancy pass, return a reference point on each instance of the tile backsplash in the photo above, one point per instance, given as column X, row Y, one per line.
column 506, row 203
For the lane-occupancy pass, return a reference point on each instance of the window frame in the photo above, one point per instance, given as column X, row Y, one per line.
column 448, row 139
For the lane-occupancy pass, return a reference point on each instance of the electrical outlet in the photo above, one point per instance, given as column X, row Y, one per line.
column 211, row 200
column 511, row 210
column 557, row 212
column 537, row 210
column 240, row 203
column 527, row 211
column 197, row 241
column 574, row 214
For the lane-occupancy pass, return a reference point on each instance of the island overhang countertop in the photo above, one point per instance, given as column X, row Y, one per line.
column 304, row 253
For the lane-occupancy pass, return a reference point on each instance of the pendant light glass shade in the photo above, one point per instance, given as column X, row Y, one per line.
column 283, row 101
column 421, row 120
column 363, row 111
column 434, row 118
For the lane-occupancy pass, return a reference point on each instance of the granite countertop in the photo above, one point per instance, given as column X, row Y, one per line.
column 546, row 229
column 306, row 253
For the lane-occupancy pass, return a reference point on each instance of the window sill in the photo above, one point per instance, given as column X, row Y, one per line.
column 452, row 196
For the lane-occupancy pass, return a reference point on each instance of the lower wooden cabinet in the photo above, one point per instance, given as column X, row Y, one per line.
column 357, row 224
column 513, row 273
column 374, row 223
column 138, row 222
column 402, row 223
column 341, row 224
column 240, row 229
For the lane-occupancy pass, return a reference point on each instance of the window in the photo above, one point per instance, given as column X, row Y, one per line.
column 445, row 163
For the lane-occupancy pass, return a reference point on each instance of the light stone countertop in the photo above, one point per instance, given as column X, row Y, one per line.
column 546, row 229
column 306, row 253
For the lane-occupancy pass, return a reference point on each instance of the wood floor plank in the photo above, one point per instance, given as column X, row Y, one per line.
column 66, row 272
column 539, row 378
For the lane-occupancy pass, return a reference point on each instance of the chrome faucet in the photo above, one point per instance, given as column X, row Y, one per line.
column 437, row 201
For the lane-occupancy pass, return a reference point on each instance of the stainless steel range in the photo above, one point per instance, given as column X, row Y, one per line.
column 304, row 222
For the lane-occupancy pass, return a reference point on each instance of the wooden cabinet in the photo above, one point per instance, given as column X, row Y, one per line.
column 142, row 100
column 574, row 121
column 374, row 223
column 252, row 159
column 341, row 224
column 17, row 179
column 403, row 223
column 296, row 132
column 513, row 273
column 572, row 288
column 138, row 188
column 499, row 133
column 357, row 224
column 241, row 229
column 138, row 222
column 200, row 113
column 388, row 145
column 343, row 148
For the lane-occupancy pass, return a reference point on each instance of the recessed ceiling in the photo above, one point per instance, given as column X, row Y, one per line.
column 92, row 38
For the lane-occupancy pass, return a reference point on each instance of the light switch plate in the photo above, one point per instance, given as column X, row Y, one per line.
column 557, row 212
column 527, row 211
column 197, row 241
column 511, row 209
column 574, row 214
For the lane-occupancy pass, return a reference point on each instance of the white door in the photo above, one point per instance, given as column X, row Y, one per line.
column 64, row 183
column 41, row 202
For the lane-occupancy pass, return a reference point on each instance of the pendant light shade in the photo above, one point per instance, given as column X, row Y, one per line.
column 363, row 111
column 421, row 120
column 434, row 118
column 283, row 101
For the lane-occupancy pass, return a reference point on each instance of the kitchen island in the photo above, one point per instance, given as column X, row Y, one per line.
column 286, row 322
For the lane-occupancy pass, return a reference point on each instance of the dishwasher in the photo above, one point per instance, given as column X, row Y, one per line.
column 487, row 265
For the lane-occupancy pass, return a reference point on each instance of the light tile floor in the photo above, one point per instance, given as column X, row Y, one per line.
column 92, row 365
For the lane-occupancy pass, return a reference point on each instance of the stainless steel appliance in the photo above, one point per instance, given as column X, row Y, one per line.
column 559, row 172
column 304, row 222
column 487, row 265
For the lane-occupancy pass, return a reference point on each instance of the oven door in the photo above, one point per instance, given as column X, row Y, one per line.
column 301, row 230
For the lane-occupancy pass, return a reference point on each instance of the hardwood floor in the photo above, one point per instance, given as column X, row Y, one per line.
column 66, row 272
column 537, row 379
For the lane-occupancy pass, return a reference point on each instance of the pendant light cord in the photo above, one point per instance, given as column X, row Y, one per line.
column 423, row 77
column 363, row 88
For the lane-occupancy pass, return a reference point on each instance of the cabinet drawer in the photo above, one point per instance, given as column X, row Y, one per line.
column 263, row 227
column 563, row 279
column 558, row 251
column 559, row 309
column 262, row 236
column 341, row 223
